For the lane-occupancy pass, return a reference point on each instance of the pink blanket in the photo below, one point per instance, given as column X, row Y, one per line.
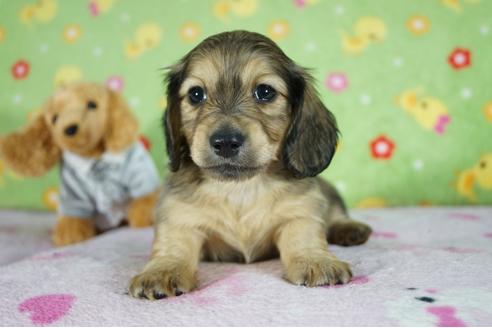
column 429, row 267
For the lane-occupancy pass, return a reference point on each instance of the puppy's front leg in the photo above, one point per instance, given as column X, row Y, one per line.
column 172, row 268
column 304, row 254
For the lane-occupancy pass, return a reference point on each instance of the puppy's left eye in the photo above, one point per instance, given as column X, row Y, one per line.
column 265, row 93
column 91, row 105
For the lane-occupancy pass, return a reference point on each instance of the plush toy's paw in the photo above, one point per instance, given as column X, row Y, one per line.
column 141, row 211
column 348, row 233
column 317, row 270
column 161, row 283
column 71, row 230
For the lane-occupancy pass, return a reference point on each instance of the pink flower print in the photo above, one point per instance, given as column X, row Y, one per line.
column 299, row 3
column 115, row 83
column 336, row 82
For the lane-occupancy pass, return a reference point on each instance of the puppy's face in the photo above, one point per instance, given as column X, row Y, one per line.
column 77, row 116
column 236, row 107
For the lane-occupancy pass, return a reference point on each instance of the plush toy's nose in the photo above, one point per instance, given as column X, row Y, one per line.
column 71, row 130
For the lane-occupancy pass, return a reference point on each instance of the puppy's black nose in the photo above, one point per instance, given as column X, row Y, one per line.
column 71, row 130
column 226, row 143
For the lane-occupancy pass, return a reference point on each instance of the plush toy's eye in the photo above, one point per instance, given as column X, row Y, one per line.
column 91, row 105
column 265, row 93
column 54, row 118
column 196, row 95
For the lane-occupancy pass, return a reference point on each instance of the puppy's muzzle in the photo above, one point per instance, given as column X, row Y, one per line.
column 226, row 143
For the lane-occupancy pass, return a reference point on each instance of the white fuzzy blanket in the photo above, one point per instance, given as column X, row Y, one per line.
column 422, row 266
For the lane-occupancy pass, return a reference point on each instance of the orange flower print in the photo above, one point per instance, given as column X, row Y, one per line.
column 189, row 32
column 71, row 33
column 418, row 25
column 278, row 29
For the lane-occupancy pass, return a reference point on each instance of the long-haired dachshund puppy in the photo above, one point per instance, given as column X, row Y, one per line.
column 246, row 136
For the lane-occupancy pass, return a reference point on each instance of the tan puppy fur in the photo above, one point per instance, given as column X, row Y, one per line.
column 255, row 197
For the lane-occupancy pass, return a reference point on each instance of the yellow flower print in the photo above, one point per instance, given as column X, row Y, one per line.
column 418, row 24
column 71, row 33
column 189, row 32
column 278, row 29
column 487, row 111
column 66, row 74
column 2, row 34
column 51, row 198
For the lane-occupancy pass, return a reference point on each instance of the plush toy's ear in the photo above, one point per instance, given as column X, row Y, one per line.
column 122, row 126
column 311, row 139
column 176, row 145
column 31, row 151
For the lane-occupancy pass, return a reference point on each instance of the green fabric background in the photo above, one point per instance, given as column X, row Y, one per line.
column 424, row 165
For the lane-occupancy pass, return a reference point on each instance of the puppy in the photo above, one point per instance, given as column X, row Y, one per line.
column 246, row 136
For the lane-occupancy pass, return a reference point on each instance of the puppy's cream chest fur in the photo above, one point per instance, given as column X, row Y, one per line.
column 243, row 214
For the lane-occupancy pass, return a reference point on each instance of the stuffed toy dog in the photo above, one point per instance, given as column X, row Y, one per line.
column 106, row 173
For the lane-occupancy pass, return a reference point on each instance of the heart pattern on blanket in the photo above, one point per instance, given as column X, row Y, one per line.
column 46, row 309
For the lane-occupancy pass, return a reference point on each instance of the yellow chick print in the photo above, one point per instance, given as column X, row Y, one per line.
column 480, row 173
column 2, row 34
column 366, row 30
column 146, row 37
column 241, row 8
column 39, row 11
column 67, row 74
column 429, row 112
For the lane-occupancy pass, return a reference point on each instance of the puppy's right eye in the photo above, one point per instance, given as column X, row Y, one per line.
column 196, row 95
column 54, row 118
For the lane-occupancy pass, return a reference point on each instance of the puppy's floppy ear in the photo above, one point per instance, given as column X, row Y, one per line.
column 176, row 145
column 311, row 139
column 32, row 151
column 122, row 126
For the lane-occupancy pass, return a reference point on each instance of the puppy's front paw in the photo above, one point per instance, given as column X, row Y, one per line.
column 71, row 230
column 158, row 284
column 317, row 270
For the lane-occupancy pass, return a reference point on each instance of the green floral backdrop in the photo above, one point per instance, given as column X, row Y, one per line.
column 409, row 81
